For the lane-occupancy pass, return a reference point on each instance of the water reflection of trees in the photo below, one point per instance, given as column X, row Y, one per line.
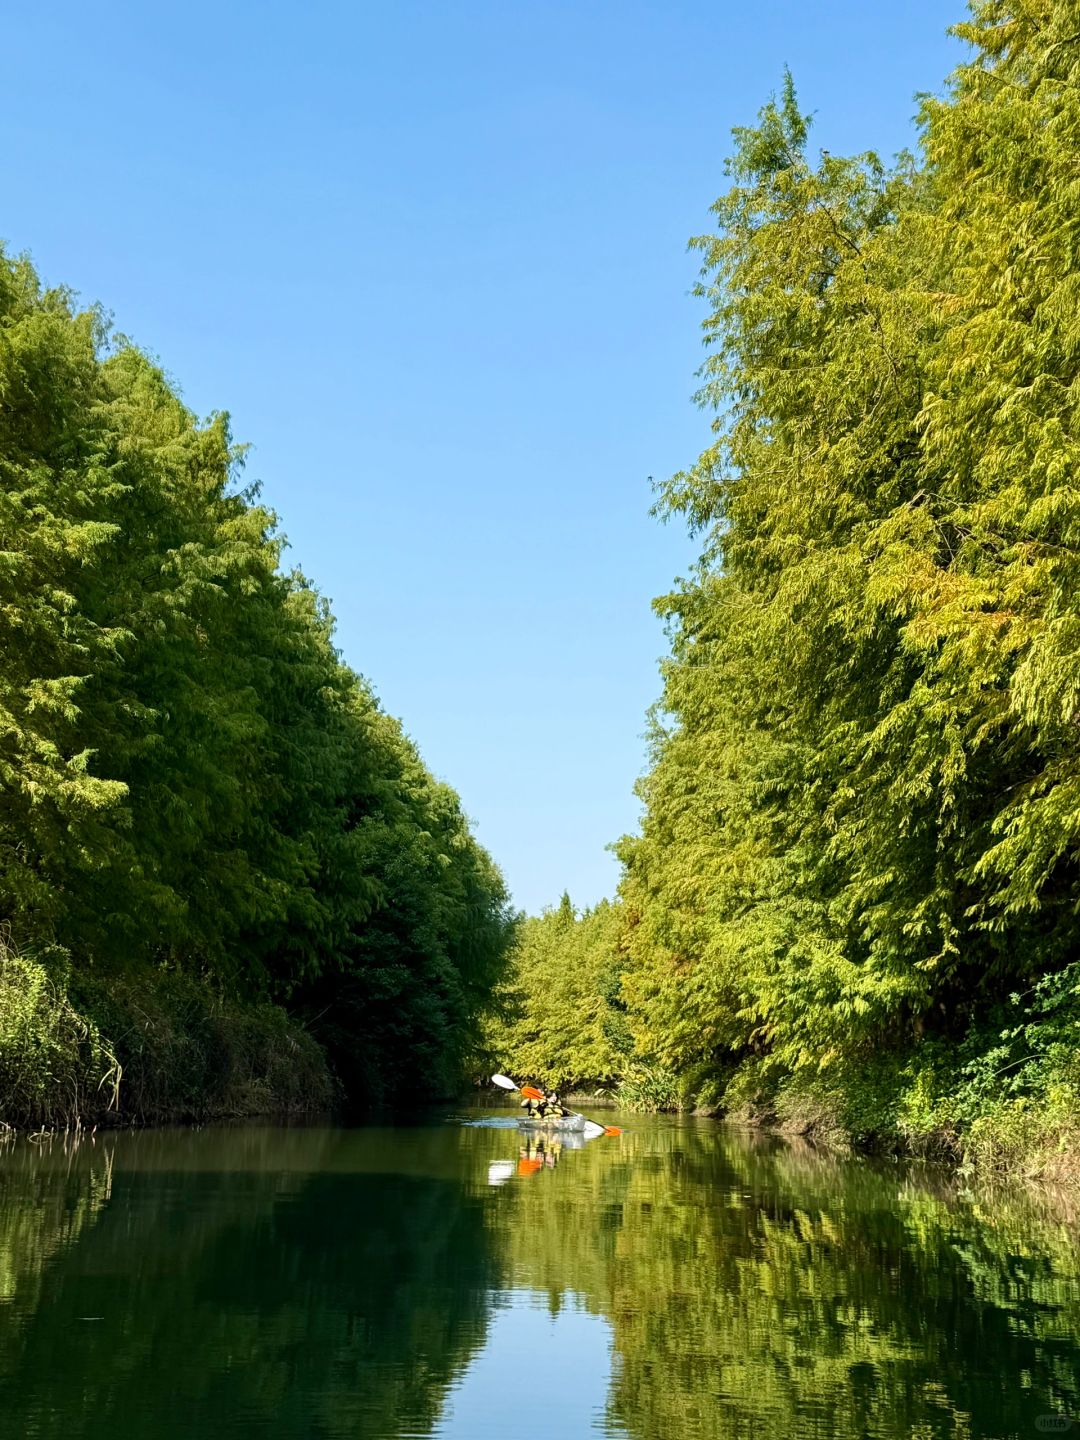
column 308, row 1296
column 329, row 1284
column 760, row 1289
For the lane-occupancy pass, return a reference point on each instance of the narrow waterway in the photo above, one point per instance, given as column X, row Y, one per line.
column 682, row 1281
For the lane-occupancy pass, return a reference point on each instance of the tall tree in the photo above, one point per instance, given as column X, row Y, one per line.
column 190, row 777
column 861, row 820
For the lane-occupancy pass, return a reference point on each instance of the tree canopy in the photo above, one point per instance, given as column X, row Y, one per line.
column 862, row 816
column 190, row 776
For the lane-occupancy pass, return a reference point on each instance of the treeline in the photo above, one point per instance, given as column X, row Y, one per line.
column 558, row 1010
column 855, row 890
column 199, row 802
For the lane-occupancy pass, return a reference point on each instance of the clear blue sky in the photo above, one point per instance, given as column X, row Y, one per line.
column 431, row 254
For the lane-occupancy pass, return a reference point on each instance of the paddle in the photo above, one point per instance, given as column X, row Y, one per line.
column 499, row 1171
column 529, row 1091
column 593, row 1128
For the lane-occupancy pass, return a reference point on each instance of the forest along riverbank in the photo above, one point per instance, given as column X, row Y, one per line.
column 693, row 1280
column 229, row 882
column 222, row 864
column 851, row 908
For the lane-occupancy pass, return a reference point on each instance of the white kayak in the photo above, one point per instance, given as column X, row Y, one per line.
column 571, row 1124
column 561, row 1125
column 575, row 1124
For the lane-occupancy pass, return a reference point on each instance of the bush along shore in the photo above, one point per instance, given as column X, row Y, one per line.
column 853, row 907
column 224, row 869
column 149, row 1049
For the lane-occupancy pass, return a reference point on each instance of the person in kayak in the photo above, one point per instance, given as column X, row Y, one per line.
column 532, row 1103
column 550, row 1108
column 547, row 1107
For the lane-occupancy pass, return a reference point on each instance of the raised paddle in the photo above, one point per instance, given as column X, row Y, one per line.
column 592, row 1127
column 529, row 1091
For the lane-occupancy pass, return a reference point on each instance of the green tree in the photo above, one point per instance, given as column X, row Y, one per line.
column 560, row 1016
column 190, row 777
column 861, row 818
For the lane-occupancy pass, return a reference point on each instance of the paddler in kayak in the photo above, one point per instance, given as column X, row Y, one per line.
column 539, row 1106
column 533, row 1100
column 550, row 1108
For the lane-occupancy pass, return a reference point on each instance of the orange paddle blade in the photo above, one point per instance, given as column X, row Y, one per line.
column 528, row 1165
column 612, row 1130
column 531, row 1092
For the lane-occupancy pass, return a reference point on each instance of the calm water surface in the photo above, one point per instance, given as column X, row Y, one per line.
column 680, row 1282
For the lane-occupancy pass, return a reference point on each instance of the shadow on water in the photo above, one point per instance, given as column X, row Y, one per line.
column 238, row 1283
column 332, row 1283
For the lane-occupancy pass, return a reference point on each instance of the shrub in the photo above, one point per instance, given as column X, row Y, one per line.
column 189, row 1053
column 56, row 1068
column 649, row 1087
column 150, row 1046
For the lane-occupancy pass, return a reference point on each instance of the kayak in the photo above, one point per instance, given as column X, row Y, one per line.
column 557, row 1124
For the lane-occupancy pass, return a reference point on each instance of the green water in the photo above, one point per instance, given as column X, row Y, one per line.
column 681, row 1282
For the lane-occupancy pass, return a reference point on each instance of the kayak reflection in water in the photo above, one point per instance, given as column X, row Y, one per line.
column 536, row 1153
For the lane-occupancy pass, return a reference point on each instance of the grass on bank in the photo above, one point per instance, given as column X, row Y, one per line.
column 1004, row 1101
column 921, row 1112
column 149, row 1047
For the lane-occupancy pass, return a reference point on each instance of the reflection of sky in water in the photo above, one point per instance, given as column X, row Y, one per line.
column 539, row 1375
column 256, row 1283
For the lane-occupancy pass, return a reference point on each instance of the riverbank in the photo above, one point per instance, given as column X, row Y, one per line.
column 1010, row 1139
column 892, row 1111
column 151, row 1047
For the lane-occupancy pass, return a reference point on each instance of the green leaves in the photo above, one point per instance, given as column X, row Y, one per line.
column 559, row 1013
column 189, row 776
column 863, row 819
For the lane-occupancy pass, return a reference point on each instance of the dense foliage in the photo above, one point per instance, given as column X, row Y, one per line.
column 858, row 865
column 558, row 1012
column 190, row 778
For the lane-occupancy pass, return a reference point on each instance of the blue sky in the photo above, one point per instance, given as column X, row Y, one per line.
column 432, row 258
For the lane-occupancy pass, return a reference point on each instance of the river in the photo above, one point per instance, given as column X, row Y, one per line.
column 683, row 1281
